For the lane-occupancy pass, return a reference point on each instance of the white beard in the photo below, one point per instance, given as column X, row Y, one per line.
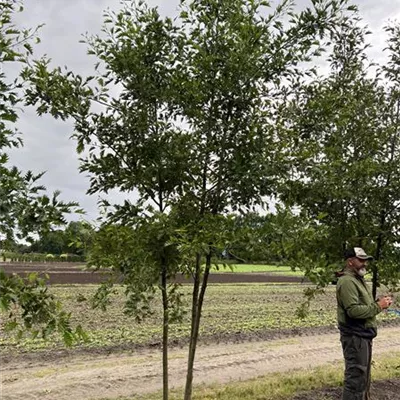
column 361, row 271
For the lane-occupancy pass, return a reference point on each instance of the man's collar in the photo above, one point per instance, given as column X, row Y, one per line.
column 352, row 272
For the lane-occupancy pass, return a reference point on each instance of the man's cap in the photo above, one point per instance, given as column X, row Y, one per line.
column 357, row 252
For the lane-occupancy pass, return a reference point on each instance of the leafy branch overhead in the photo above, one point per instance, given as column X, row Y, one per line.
column 31, row 307
column 25, row 208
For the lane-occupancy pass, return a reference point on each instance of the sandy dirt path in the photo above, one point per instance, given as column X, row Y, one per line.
column 86, row 377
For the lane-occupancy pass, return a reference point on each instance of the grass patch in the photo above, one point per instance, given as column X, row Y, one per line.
column 253, row 268
column 283, row 386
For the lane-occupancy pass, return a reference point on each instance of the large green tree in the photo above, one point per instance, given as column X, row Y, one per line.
column 185, row 118
column 76, row 238
column 344, row 134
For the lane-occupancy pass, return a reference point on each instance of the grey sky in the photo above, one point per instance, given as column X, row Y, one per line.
column 47, row 144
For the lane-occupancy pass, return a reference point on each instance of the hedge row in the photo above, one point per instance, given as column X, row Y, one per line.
column 38, row 257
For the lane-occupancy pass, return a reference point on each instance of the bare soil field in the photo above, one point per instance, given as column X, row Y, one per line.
column 131, row 374
column 72, row 273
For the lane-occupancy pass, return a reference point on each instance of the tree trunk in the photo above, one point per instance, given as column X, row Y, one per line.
column 196, row 316
column 165, row 329
column 378, row 252
column 374, row 280
column 195, row 295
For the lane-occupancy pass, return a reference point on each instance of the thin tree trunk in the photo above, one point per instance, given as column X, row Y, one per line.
column 195, row 299
column 195, row 294
column 165, row 305
column 379, row 248
column 195, row 330
column 375, row 268
column 197, row 302
column 165, row 329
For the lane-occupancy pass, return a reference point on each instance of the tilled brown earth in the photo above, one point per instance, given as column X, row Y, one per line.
column 84, row 377
column 72, row 273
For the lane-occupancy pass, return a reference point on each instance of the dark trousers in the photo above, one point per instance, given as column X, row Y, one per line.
column 357, row 353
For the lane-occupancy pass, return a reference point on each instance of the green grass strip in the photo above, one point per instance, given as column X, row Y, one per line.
column 283, row 386
column 254, row 268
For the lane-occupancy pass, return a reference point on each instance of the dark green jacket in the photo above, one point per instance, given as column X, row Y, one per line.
column 356, row 308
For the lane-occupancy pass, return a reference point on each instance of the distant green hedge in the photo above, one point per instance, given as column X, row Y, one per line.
column 39, row 257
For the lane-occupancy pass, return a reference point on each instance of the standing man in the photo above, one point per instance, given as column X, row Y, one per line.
column 356, row 314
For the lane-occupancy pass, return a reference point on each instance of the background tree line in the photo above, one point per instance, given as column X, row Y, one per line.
column 75, row 239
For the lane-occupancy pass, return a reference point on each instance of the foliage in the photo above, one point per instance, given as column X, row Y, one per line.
column 343, row 130
column 75, row 239
column 24, row 207
column 39, row 257
column 53, row 242
column 134, row 254
column 30, row 307
column 261, row 237
column 191, row 128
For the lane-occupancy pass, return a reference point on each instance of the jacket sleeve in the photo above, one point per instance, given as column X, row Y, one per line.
column 349, row 298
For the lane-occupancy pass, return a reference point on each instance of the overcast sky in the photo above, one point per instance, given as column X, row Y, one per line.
column 47, row 144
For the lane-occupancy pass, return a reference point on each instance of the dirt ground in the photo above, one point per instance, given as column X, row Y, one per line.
column 381, row 390
column 84, row 377
column 72, row 273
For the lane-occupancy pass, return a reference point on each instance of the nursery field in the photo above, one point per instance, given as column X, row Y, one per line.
column 250, row 339
column 236, row 312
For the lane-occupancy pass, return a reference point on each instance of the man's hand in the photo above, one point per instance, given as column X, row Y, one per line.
column 385, row 302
